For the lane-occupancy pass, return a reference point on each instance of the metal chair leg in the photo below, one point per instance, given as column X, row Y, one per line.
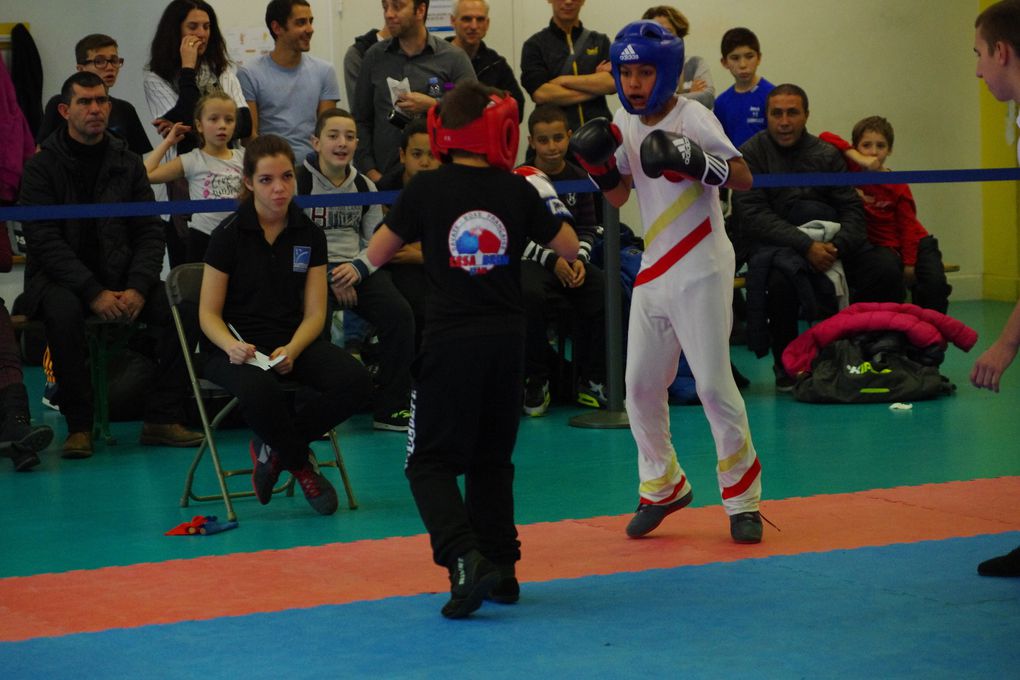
column 352, row 503
column 98, row 337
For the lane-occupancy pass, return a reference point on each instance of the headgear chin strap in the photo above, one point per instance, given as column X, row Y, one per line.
column 495, row 134
column 646, row 42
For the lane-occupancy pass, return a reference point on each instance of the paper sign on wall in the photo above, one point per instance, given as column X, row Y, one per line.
column 438, row 19
column 244, row 45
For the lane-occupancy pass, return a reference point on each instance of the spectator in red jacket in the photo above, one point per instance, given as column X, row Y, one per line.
column 891, row 215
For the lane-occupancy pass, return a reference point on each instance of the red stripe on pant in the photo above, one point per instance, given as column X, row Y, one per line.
column 673, row 255
column 745, row 481
column 670, row 498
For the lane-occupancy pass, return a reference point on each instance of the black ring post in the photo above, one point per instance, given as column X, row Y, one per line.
column 614, row 416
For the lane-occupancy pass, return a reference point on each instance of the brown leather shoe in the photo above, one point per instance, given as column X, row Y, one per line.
column 170, row 434
column 77, row 445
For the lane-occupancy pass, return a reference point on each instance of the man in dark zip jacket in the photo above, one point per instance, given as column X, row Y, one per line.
column 568, row 65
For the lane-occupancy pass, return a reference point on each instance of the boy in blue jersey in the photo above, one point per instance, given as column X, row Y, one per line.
column 741, row 108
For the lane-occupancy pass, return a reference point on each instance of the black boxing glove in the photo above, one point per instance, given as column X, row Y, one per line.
column 594, row 146
column 676, row 157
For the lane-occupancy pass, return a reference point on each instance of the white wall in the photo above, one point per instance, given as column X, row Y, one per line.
column 908, row 60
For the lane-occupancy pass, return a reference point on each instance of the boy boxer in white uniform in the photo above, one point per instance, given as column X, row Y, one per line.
column 674, row 153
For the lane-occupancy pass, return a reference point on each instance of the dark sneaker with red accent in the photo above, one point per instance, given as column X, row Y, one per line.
column 472, row 578
column 319, row 493
column 648, row 515
column 265, row 469
column 507, row 590
column 745, row 527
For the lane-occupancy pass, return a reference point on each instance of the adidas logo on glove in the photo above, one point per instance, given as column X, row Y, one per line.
column 683, row 145
column 629, row 54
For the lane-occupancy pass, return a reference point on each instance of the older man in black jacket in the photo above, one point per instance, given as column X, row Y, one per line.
column 470, row 20
column 107, row 266
column 768, row 219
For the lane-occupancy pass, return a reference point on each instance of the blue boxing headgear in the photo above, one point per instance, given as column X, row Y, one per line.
column 646, row 42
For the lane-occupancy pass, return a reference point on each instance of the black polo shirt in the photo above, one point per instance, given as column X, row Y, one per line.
column 473, row 224
column 266, row 291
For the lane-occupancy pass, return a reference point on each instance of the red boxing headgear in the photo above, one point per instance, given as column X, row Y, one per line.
column 495, row 134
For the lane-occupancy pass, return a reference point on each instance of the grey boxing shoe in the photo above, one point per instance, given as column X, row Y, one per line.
column 265, row 469
column 319, row 493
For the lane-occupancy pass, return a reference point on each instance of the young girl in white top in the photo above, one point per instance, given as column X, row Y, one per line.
column 212, row 171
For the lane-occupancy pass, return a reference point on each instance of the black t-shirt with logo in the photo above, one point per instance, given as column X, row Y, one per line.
column 473, row 224
column 266, row 291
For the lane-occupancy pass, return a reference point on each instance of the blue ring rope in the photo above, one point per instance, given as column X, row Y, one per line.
column 93, row 211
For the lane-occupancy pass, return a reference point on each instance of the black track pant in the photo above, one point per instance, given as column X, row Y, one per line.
column 343, row 386
column 64, row 315
column 465, row 408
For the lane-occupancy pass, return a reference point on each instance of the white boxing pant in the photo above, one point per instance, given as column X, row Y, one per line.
column 668, row 315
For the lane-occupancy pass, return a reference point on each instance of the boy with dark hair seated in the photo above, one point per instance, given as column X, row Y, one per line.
column 415, row 156
column 891, row 215
column 405, row 267
column 546, row 276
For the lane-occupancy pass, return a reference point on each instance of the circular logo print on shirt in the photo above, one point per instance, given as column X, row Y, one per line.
column 478, row 242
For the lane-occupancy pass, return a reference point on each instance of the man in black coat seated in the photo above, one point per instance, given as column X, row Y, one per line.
column 106, row 266
column 768, row 222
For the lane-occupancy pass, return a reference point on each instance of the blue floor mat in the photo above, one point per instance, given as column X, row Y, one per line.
column 900, row 611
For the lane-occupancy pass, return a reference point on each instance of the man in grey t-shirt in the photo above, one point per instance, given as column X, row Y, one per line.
column 410, row 53
column 287, row 89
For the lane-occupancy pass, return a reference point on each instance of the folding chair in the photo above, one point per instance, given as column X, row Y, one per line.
column 183, row 286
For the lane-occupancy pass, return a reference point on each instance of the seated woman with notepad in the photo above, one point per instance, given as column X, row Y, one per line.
column 262, row 310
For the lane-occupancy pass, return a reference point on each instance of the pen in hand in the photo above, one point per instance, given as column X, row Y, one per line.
column 249, row 350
